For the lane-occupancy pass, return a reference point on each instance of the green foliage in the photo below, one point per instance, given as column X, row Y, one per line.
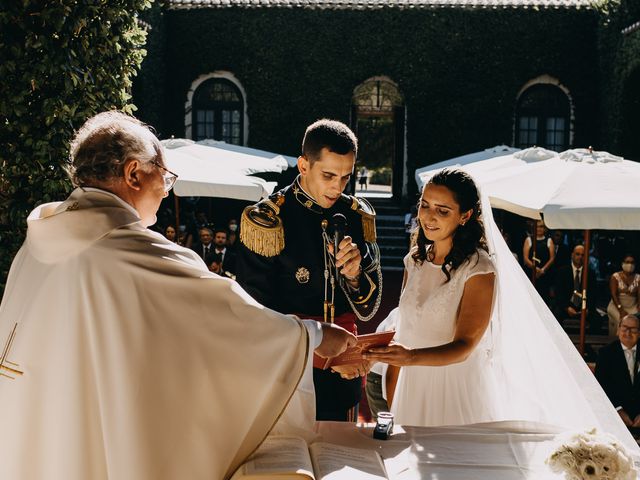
column 380, row 176
column 619, row 53
column 60, row 62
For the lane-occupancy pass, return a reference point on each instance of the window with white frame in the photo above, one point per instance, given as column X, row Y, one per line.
column 218, row 111
column 542, row 118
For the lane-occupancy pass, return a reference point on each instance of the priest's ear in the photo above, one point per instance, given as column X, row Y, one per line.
column 133, row 174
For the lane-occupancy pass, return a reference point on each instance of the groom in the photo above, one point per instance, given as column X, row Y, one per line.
column 283, row 261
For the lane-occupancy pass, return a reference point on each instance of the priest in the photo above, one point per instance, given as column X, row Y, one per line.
column 121, row 355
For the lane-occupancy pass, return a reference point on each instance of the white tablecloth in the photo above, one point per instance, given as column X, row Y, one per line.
column 492, row 451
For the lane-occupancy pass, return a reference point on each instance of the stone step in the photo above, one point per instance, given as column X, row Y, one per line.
column 392, row 241
column 390, row 221
column 393, row 251
column 391, row 261
column 390, row 230
column 392, row 268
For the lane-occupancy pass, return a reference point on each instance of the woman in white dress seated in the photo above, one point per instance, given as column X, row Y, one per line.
column 445, row 309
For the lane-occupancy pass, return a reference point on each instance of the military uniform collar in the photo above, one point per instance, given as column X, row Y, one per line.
column 304, row 198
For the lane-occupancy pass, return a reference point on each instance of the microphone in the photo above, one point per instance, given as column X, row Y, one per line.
column 338, row 227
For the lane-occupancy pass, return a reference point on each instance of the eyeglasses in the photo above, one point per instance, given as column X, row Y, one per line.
column 631, row 330
column 169, row 177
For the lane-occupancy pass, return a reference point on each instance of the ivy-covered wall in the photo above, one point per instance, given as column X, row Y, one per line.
column 619, row 51
column 460, row 70
column 149, row 88
column 60, row 63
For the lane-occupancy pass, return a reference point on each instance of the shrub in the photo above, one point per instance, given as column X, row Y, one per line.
column 60, row 63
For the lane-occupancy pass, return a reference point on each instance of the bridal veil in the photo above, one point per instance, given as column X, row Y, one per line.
column 542, row 375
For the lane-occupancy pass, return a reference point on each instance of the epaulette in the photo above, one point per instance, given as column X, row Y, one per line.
column 261, row 229
column 368, row 214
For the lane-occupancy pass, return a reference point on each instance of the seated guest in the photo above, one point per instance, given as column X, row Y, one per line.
column 624, row 292
column 568, row 291
column 215, row 265
column 220, row 248
column 232, row 236
column 170, row 233
column 185, row 239
column 617, row 371
column 205, row 245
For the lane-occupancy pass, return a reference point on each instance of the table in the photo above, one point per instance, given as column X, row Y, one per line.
column 495, row 451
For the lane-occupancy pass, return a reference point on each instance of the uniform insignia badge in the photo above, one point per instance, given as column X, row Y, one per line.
column 302, row 275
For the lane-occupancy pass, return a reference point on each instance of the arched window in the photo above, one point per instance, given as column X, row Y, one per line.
column 218, row 111
column 542, row 118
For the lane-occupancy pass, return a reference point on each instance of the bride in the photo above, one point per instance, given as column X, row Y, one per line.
column 444, row 312
column 474, row 341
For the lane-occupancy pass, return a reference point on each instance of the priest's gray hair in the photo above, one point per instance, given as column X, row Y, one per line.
column 103, row 145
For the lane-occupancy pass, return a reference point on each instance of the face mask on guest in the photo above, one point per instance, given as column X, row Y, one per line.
column 233, row 227
column 628, row 267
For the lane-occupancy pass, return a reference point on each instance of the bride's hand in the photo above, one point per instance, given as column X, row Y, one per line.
column 393, row 354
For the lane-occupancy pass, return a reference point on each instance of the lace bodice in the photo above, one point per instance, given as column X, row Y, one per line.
column 429, row 305
column 630, row 289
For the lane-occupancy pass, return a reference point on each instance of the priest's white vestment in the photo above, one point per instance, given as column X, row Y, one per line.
column 122, row 357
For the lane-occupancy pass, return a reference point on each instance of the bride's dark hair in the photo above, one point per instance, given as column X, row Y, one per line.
column 467, row 238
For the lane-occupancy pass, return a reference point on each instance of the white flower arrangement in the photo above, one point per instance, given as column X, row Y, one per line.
column 591, row 456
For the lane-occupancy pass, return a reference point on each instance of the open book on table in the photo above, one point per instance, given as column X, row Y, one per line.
column 289, row 457
column 353, row 355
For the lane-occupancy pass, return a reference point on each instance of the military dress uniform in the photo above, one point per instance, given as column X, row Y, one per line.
column 283, row 263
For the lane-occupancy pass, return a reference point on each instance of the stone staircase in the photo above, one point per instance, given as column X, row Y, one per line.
column 391, row 236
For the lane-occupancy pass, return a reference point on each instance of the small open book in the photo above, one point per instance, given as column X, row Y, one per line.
column 289, row 457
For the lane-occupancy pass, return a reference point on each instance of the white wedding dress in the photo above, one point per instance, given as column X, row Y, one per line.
column 457, row 394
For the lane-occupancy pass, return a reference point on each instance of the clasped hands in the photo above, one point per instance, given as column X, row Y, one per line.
column 393, row 354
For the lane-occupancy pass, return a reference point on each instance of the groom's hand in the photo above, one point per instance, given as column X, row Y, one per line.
column 351, row 371
column 335, row 340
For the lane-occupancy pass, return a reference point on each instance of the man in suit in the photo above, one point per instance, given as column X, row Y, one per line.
column 617, row 371
column 220, row 248
column 205, row 246
column 568, row 291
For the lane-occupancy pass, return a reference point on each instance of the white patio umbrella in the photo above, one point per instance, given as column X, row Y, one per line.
column 291, row 161
column 201, row 177
column 423, row 174
column 577, row 189
column 243, row 163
